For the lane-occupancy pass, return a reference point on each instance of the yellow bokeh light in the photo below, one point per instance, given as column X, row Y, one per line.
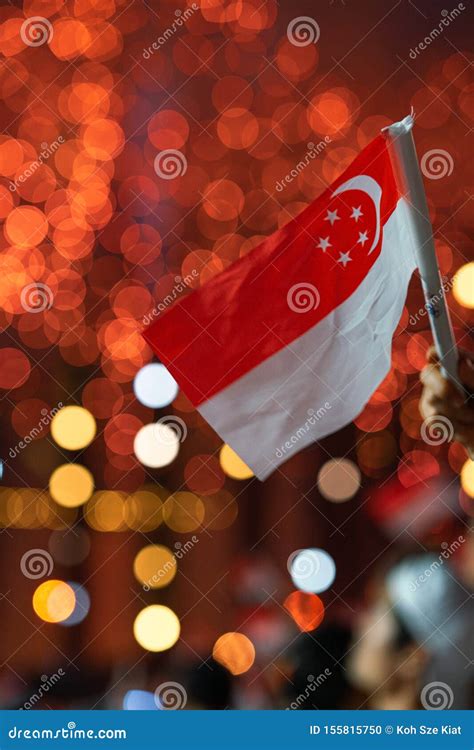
column 467, row 478
column 71, row 485
column 221, row 510
column 183, row 512
column 52, row 516
column 21, row 508
column 54, row 601
column 73, row 427
column 235, row 652
column 144, row 509
column 156, row 628
column 463, row 285
column 233, row 465
column 155, row 566
column 338, row 480
column 105, row 511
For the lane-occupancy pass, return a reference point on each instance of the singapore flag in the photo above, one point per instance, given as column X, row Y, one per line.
column 287, row 345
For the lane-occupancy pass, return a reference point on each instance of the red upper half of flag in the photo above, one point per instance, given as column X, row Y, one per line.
column 284, row 286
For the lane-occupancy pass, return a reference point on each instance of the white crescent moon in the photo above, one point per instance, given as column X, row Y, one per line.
column 367, row 185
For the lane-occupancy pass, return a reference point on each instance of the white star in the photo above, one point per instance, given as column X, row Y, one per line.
column 324, row 243
column 332, row 217
column 356, row 213
column 363, row 237
column 344, row 258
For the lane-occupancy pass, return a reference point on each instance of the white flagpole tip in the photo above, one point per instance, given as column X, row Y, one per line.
column 401, row 127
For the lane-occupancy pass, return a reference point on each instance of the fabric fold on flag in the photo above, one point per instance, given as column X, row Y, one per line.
column 287, row 344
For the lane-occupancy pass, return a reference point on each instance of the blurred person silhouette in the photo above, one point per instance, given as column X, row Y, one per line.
column 317, row 670
column 208, row 686
column 417, row 632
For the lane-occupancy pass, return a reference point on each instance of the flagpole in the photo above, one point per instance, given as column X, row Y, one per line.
column 406, row 164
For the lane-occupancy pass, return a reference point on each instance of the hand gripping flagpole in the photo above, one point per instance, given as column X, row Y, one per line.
column 411, row 184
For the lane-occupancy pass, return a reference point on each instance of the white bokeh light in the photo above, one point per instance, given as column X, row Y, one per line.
column 154, row 386
column 156, row 445
column 312, row 570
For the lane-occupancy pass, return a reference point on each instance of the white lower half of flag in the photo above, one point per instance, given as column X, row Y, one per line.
column 322, row 380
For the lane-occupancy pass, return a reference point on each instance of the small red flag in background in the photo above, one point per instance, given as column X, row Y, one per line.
column 288, row 344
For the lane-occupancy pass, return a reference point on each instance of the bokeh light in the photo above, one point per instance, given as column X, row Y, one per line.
column 156, row 628
column 307, row 610
column 338, row 480
column 467, row 478
column 235, row 652
column 105, row 511
column 73, row 427
column 312, row 570
column 463, row 286
column 70, row 546
column 155, row 566
column 54, row 601
column 139, row 700
column 183, row 512
column 71, row 485
column 144, row 509
column 154, row 386
column 233, row 465
column 156, row 445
